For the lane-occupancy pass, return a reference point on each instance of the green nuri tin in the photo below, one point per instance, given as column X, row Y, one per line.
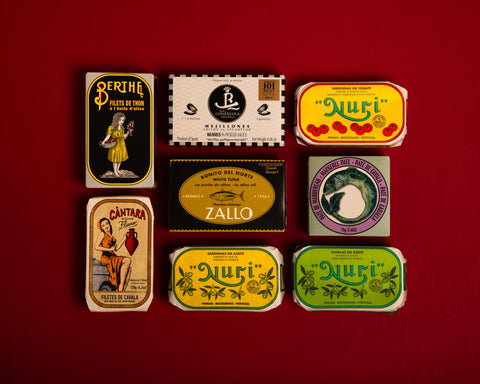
column 335, row 278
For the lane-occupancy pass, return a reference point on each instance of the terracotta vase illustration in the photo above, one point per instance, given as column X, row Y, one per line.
column 132, row 242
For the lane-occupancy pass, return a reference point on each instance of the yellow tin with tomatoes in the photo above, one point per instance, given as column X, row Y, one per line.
column 372, row 114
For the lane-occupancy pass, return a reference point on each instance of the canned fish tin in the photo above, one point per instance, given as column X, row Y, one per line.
column 227, row 110
column 227, row 195
column 119, row 143
column 328, row 278
column 226, row 278
column 349, row 196
column 351, row 114
column 119, row 254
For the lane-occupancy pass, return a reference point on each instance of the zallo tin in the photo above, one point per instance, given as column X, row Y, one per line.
column 119, row 144
column 328, row 278
column 351, row 114
column 349, row 196
column 227, row 195
column 119, row 254
column 227, row 110
column 226, row 278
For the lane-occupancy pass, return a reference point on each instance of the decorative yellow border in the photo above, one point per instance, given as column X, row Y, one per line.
column 88, row 128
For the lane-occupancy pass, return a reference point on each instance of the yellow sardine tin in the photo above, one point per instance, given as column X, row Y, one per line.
column 351, row 114
column 226, row 278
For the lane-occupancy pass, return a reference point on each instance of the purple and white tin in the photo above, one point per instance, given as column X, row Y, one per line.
column 349, row 196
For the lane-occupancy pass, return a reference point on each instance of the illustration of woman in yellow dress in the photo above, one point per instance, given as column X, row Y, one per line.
column 118, row 266
column 116, row 133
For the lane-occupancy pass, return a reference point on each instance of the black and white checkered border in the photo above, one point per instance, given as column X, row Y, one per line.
column 224, row 144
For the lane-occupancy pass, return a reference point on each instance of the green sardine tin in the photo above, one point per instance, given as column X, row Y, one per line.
column 329, row 278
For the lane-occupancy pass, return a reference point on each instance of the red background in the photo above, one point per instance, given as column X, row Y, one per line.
column 429, row 48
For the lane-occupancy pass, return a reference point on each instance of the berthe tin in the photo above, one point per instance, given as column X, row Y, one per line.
column 119, row 144
column 349, row 196
column 119, row 254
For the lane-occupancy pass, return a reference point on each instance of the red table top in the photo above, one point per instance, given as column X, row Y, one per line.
column 49, row 333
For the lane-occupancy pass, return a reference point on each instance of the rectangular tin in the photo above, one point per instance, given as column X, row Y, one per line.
column 119, row 130
column 227, row 195
column 349, row 196
column 372, row 114
column 338, row 278
column 227, row 110
column 119, row 254
column 244, row 278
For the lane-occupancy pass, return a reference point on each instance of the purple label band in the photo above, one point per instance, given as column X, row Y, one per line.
column 366, row 167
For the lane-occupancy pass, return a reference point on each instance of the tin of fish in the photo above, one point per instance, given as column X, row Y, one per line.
column 370, row 114
column 243, row 278
column 119, row 254
column 227, row 110
column 349, row 196
column 119, row 138
column 227, row 195
column 338, row 278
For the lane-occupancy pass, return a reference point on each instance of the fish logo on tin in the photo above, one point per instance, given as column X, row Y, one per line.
column 226, row 196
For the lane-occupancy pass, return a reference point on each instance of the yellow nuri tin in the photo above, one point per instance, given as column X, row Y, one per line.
column 226, row 278
column 351, row 114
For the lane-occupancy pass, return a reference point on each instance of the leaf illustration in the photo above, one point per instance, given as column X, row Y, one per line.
column 326, row 205
column 335, row 201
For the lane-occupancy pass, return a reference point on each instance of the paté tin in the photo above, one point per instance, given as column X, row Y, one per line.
column 328, row 278
column 244, row 278
column 349, row 196
column 351, row 114
column 227, row 110
column 119, row 144
column 227, row 195
column 119, row 254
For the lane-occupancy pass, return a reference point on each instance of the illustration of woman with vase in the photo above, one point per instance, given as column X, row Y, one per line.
column 118, row 266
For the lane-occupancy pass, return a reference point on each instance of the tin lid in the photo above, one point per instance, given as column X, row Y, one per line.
column 338, row 278
column 243, row 278
column 119, row 130
column 351, row 114
column 119, row 257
